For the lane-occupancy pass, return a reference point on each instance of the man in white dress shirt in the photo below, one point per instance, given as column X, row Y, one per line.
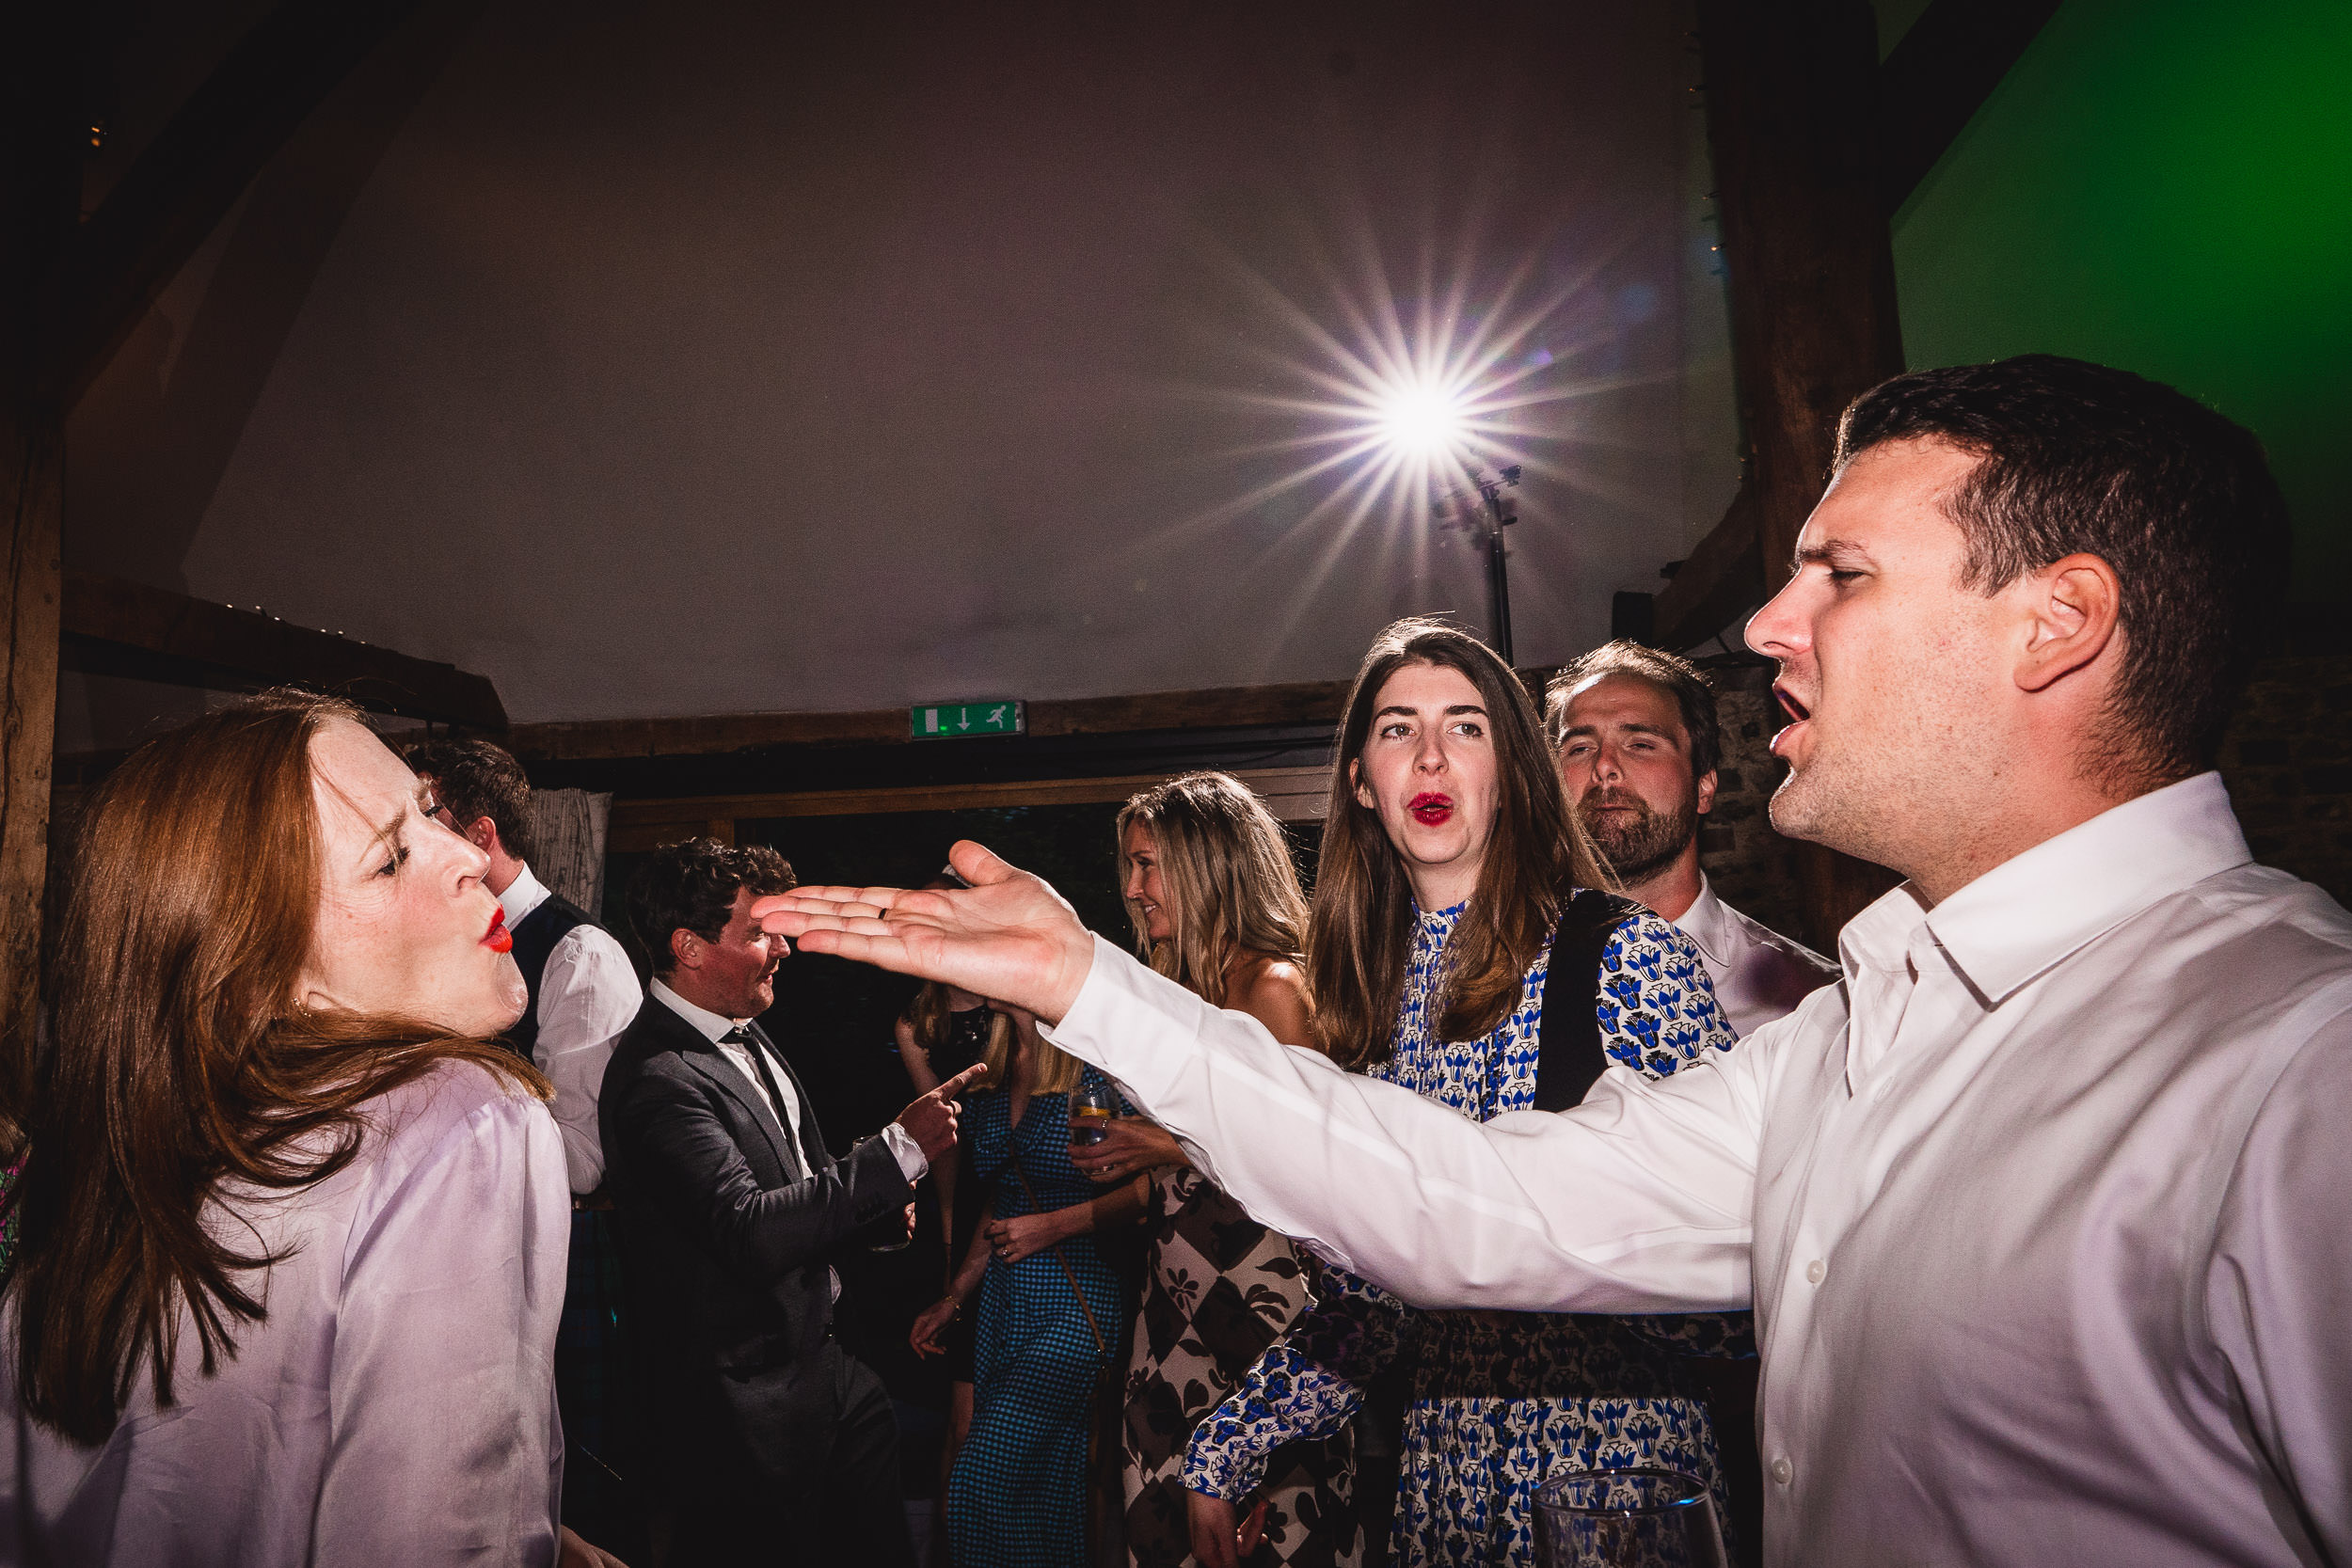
column 582, row 993
column 2040, row 1209
column 1638, row 739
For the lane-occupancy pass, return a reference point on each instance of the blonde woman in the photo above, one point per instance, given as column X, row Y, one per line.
column 1216, row 907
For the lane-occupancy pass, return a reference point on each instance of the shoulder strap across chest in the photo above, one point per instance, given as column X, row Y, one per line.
column 1569, row 1057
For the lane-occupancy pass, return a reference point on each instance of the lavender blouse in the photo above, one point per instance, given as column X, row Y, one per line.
column 397, row 1406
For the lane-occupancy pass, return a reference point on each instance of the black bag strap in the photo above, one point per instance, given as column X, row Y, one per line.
column 1569, row 1057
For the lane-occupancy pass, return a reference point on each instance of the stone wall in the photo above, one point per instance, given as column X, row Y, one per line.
column 1752, row 867
column 2287, row 761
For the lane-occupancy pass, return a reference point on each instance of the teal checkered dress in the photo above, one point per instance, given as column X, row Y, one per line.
column 1017, row 1497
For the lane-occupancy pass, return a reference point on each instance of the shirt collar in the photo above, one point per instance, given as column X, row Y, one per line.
column 711, row 1025
column 1708, row 924
column 523, row 894
column 2039, row 908
column 1438, row 922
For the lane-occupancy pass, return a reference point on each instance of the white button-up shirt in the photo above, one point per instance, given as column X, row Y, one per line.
column 588, row 993
column 2038, row 1209
column 1758, row 973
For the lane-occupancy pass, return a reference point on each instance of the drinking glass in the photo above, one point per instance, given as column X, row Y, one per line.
column 1093, row 1105
column 1627, row 1519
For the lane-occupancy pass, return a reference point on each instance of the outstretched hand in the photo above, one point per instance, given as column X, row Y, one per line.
column 1007, row 937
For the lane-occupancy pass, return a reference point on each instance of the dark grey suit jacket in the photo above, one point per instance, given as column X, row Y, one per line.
column 726, row 1229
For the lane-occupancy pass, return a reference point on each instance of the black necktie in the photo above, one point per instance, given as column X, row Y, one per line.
column 794, row 1162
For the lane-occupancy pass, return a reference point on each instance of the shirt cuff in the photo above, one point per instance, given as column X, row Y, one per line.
column 1115, row 1016
column 903, row 1148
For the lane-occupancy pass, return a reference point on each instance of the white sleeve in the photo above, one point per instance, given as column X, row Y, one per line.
column 2276, row 1288
column 588, row 994
column 913, row 1163
column 1637, row 1200
column 446, row 1446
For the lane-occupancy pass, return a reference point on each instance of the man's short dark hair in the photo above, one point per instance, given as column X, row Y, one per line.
column 475, row 780
column 1678, row 675
column 691, row 886
column 2179, row 501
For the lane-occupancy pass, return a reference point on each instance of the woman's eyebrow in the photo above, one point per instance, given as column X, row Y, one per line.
column 392, row 834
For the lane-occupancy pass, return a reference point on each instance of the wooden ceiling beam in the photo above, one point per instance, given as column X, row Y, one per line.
column 1225, row 707
column 1723, row 575
column 1792, row 90
column 1220, row 708
column 1292, row 794
column 1938, row 77
column 1811, row 266
column 116, row 627
column 184, row 183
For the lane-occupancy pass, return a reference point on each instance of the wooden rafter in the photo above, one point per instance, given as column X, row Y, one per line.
column 39, row 169
column 1792, row 89
column 188, row 178
column 1938, row 77
column 116, row 627
column 1292, row 794
column 1815, row 149
column 1226, row 707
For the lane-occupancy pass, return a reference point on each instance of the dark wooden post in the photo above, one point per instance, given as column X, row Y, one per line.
column 40, row 196
column 1792, row 89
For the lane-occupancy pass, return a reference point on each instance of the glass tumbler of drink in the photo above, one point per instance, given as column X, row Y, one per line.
column 1627, row 1519
column 1092, row 1105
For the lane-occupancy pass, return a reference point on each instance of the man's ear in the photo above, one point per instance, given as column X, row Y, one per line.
column 2070, row 608
column 686, row 948
column 1356, row 782
column 482, row 835
column 1706, row 792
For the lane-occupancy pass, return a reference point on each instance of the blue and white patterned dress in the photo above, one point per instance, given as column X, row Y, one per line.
column 1500, row 1401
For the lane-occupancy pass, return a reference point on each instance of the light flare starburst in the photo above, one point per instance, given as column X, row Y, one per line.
column 1377, row 402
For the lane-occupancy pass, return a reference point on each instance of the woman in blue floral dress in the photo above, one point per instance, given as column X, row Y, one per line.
column 1447, row 893
column 1051, row 1307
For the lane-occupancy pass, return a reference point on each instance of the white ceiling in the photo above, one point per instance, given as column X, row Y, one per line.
column 707, row 358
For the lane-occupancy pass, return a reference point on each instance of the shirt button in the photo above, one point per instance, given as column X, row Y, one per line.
column 1814, row 1271
column 1782, row 1470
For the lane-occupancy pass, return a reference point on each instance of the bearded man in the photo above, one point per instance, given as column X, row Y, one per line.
column 1638, row 740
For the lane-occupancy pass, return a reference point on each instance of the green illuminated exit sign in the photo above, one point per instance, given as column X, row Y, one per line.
column 959, row 720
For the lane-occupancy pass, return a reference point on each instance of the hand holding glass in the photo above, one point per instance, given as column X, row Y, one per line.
column 1092, row 1106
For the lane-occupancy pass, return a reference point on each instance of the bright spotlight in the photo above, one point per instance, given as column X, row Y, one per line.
column 1423, row 418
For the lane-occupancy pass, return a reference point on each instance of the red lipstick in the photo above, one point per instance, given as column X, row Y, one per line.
column 498, row 938
column 1431, row 809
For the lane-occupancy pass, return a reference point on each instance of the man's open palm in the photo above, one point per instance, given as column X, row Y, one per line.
column 1008, row 937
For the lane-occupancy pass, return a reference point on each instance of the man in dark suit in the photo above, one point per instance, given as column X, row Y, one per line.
column 776, row 1446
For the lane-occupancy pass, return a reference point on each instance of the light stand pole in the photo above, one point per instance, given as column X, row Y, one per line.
column 1490, row 525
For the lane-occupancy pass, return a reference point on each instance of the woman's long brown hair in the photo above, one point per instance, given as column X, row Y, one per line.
column 1360, row 931
column 183, row 1074
column 1227, row 873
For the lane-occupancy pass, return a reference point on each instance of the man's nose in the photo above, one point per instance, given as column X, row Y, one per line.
column 1778, row 629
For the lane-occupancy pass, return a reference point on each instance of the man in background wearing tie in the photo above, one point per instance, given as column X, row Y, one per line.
column 775, row 1445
